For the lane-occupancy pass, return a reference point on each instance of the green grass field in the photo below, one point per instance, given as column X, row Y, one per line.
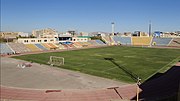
column 142, row 61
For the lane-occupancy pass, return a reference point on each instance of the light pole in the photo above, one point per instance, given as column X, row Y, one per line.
column 113, row 28
column 149, row 28
column 137, row 89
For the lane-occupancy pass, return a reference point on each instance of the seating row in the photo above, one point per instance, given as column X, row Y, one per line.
column 146, row 41
column 11, row 48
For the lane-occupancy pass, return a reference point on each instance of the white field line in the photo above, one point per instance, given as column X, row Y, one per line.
column 163, row 67
column 109, row 69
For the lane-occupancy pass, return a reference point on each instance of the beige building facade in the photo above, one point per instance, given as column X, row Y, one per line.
column 45, row 33
column 36, row 40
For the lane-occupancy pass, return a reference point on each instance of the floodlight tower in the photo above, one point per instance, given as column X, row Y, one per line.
column 113, row 27
column 149, row 28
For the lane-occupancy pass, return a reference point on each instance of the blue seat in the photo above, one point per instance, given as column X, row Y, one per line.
column 122, row 40
column 161, row 41
column 100, row 42
column 41, row 47
column 5, row 49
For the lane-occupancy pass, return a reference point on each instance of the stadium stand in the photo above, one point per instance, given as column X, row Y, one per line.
column 49, row 46
column 41, row 47
column 93, row 42
column 67, row 45
column 19, row 47
column 144, row 41
column 175, row 42
column 32, row 47
column 100, row 42
column 11, row 48
column 52, row 45
column 46, row 46
column 108, row 39
column 96, row 43
column 77, row 45
column 5, row 49
column 71, row 46
column 161, row 41
column 84, row 44
column 89, row 44
column 61, row 46
column 122, row 40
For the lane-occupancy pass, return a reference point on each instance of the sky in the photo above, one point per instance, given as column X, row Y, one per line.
column 90, row 15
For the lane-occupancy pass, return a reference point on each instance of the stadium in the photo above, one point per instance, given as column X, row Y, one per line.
column 82, row 68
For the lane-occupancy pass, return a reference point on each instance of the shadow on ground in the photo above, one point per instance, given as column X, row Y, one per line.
column 162, row 86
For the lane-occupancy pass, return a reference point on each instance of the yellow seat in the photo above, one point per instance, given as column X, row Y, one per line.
column 32, row 47
column 141, row 41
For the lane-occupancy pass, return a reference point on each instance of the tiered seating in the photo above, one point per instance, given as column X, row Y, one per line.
column 73, row 45
column 65, row 46
column 77, row 45
column 108, row 40
column 122, row 40
column 19, row 47
column 32, row 47
column 161, row 41
column 100, row 42
column 93, row 42
column 141, row 41
column 84, row 44
column 96, row 42
column 49, row 46
column 61, row 46
column 175, row 42
column 41, row 47
column 46, row 45
column 88, row 44
column 5, row 49
column 52, row 45
column 70, row 46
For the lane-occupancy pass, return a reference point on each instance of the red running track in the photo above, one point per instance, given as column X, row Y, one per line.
column 125, row 92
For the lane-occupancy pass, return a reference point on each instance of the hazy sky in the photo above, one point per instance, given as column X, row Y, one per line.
column 90, row 15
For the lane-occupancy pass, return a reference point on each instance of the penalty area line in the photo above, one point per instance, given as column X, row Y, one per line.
column 109, row 69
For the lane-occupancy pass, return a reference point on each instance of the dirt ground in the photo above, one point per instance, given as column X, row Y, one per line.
column 46, row 77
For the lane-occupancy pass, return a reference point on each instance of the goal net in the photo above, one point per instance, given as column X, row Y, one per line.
column 54, row 60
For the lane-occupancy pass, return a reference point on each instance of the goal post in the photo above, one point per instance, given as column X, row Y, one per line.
column 54, row 60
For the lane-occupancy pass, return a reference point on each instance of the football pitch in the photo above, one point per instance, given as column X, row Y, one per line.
column 114, row 62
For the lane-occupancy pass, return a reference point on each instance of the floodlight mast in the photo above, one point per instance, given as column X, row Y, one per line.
column 137, row 91
column 150, row 28
column 113, row 28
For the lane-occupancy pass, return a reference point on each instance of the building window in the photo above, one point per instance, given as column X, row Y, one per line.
column 45, row 40
column 25, row 40
column 32, row 40
column 39, row 40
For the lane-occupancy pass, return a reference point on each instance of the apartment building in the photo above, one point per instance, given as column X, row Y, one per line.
column 45, row 33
